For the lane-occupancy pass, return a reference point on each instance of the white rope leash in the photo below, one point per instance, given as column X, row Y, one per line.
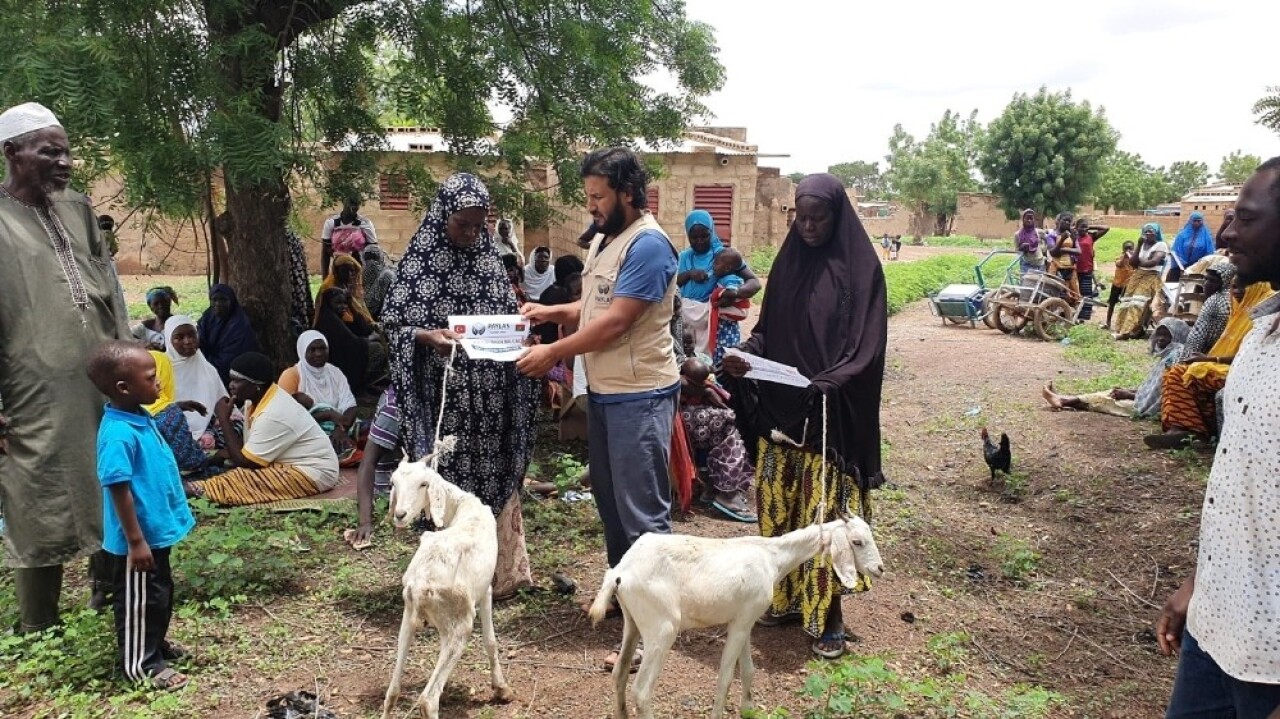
column 822, row 473
column 444, row 396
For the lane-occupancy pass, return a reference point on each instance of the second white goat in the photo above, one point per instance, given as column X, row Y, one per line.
column 667, row 583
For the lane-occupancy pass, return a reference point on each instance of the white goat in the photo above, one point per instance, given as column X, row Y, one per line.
column 449, row 577
column 667, row 583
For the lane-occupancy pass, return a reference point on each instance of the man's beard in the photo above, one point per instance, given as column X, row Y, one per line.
column 616, row 222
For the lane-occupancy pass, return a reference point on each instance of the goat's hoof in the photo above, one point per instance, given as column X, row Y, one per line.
column 502, row 695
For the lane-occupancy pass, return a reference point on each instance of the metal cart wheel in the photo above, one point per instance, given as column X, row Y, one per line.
column 1009, row 319
column 957, row 320
column 1054, row 319
column 989, row 306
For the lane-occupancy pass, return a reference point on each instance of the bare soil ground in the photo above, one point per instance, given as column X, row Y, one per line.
column 1055, row 575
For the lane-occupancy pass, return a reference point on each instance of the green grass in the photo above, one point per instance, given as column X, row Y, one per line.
column 1127, row 363
column 911, row 281
column 193, row 294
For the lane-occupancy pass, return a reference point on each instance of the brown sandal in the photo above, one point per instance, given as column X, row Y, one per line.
column 168, row 680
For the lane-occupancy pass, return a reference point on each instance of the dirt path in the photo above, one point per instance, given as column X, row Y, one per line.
column 1111, row 522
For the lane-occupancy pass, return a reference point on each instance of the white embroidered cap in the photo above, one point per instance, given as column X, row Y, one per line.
column 24, row 118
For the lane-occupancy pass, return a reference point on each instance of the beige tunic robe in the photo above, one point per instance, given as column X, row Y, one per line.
column 49, row 491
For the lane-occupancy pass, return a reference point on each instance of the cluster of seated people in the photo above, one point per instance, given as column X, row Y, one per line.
column 1190, row 365
column 217, row 439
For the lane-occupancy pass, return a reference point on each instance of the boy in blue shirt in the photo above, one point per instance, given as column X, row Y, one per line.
column 145, row 512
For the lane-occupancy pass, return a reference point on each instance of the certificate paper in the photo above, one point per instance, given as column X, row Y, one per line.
column 491, row 337
column 770, row 371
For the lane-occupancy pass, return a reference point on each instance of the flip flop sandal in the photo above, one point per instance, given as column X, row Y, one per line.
column 173, row 651
column 168, row 680
column 736, row 514
column 828, row 638
column 769, row 620
column 612, row 659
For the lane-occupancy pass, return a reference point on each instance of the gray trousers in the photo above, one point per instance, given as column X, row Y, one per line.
column 630, row 453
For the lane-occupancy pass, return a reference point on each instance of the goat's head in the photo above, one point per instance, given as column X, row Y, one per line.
column 416, row 487
column 853, row 550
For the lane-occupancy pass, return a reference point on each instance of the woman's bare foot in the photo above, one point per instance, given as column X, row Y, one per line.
column 1054, row 400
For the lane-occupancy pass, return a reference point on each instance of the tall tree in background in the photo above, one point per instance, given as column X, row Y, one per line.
column 1185, row 176
column 1128, row 183
column 239, row 99
column 1045, row 152
column 797, row 176
column 863, row 175
column 927, row 176
column 1237, row 167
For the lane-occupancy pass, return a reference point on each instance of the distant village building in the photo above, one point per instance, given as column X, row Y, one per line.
column 709, row 168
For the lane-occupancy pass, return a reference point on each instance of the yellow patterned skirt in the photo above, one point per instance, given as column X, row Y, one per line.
column 242, row 486
column 787, row 498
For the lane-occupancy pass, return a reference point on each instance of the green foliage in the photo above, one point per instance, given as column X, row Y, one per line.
column 566, row 471
column 1267, row 108
column 761, row 259
column 865, row 176
column 243, row 551
column 1128, row 183
column 867, row 686
column 948, row 650
column 1237, row 167
column 1045, row 152
column 797, row 176
column 1185, row 176
column 907, row 282
column 1018, row 561
column 928, row 175
column 195, row 102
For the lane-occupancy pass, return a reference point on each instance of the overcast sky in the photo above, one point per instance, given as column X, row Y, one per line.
column 824, row 81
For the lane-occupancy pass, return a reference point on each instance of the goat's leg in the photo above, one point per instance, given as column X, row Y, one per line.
column 501, row 692
column 622, row 669
column 655, row 654
column 453, row 641
column 746, row 671
column 407, row 630
column 733, row 644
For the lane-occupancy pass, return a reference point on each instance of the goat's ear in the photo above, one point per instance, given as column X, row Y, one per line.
column 437, row 497
column 842, row 558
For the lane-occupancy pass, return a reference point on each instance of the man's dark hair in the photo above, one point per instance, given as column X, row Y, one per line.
column 1273, row 164
column 510, row 261
column 107, row 361
column 622, row 168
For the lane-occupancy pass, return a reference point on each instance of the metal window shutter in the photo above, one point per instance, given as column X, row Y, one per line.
column 393, row 192
column 653, row 196
column 717, row 200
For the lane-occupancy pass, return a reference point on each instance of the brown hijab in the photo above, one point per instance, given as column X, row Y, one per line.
column 824, row 313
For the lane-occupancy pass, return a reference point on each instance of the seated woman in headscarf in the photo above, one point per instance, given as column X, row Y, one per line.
column 196, row 383
column 345, row 273
column 224, row 330
column 1215, row 311
column 1144, row 402
column 376, row 279
column 709, row 426
column 151, row 332
column 284, row 454
column 323, row 390
column 1187, row 409
column 451, row 268
column 353, row 346
column 1193, row 243
column 171, row 420
column 1144, row 285
column 826, row 315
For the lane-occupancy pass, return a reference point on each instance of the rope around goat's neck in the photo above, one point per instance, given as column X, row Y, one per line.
column 444, row 396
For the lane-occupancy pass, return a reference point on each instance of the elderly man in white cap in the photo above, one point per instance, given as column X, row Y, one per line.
column 61, row 299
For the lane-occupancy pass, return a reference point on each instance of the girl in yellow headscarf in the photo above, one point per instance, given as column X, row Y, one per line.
column 1187, row 407
column 171, row 421
column 345, row 272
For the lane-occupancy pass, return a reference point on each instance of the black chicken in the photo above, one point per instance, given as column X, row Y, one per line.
column 1000, row 457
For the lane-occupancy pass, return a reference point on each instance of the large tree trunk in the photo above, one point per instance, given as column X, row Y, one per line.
column 258, row 264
